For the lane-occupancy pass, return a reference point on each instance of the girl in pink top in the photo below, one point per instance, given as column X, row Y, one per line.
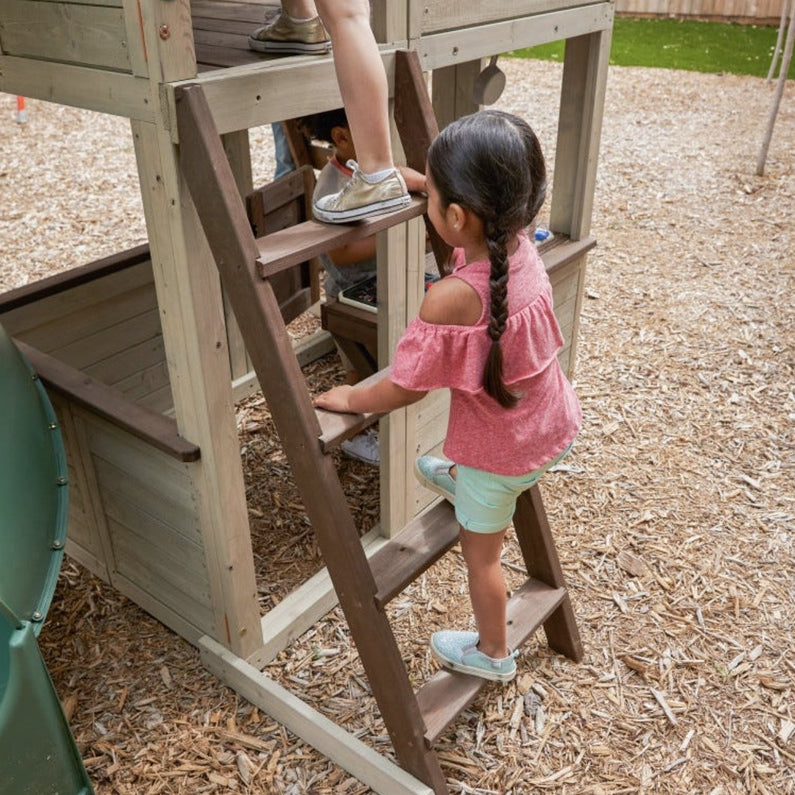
column 488, row 333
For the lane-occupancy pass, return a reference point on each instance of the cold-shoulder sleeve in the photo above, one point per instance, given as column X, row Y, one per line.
column 431, row 356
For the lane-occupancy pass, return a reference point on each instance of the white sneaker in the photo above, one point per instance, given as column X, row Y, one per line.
column 363, row 447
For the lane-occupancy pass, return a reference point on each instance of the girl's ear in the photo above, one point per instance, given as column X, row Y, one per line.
column 456, row 216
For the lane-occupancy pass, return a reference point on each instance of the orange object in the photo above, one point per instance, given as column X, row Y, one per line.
column 22, row 114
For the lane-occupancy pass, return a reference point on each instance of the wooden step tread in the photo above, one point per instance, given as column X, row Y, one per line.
column 420, row 544
column 336, row 427
column 445, row 695
column 298, row 243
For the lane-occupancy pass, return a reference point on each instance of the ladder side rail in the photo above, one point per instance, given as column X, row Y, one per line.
column 220, row 208
column 541, row 560
column 416, row 124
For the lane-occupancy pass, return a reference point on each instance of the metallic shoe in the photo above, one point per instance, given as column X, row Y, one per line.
column 291, row 36
column 360, row 198
column 434, row 474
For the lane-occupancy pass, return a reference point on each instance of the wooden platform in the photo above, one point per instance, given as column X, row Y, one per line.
column 221, row 31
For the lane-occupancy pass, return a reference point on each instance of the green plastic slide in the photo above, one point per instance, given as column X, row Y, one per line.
column 38, row 755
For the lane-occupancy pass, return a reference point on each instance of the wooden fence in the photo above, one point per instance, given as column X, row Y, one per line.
column 762, row 12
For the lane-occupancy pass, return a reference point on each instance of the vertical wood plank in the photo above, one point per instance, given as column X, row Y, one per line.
column 195, row 339
column 541, row 559
column 579, row 132
column 238, row 151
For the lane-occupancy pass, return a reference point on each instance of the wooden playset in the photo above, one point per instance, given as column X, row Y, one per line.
column 146, row 352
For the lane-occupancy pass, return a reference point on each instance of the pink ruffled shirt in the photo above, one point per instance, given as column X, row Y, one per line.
column 481, row 433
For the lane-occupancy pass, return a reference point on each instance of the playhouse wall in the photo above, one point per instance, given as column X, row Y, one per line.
column 91, row 34
column 134, row 522
column 451, row 14
column 108, row 328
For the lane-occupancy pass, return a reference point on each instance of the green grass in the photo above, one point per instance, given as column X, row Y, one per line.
column 682, row 44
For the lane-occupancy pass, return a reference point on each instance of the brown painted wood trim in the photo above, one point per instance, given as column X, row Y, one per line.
column 60, row 282
column 336, row 427
column 416, row 124
column 561, row 250
column 155, row 429
column 413, row 550
column 283, row 249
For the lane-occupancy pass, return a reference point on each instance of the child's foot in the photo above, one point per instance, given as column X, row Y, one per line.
column 434, row 474
column 288, row 36
column 363, row 447
column 362, row 197
column 458, row 651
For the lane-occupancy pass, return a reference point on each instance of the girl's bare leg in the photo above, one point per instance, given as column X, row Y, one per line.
column 487, row 589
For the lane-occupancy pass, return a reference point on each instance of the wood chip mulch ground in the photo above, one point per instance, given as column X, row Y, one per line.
column 674, row 517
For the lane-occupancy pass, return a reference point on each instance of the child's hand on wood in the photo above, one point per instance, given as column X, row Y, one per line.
column 336, row 399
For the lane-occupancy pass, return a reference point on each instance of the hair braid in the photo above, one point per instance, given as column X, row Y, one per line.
column 493, row 383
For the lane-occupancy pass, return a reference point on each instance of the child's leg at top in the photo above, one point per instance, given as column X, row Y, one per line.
column 362, row 80
column 300, row 9
column 487, row 592
column 376, row 186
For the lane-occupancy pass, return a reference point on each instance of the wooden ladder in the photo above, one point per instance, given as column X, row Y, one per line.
column 364, row 587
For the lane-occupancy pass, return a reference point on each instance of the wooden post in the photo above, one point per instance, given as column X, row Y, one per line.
column 579, row 131
column 194, row 332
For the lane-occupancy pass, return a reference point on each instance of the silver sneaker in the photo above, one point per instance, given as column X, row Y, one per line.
column 361, row 199
column 363, row 447
column 288, row 36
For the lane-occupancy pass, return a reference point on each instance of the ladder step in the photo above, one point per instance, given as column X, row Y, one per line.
column 288, row 247
column 416, row 547
column 445, row 695
column 336, row 427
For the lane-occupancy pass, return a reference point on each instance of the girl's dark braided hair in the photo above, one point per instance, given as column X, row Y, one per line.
column 491, row 163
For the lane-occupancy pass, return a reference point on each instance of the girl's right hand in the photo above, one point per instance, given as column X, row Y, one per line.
column 336, row 399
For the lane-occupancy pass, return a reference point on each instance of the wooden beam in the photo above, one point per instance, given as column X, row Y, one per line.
column 310, row 725
column 105, row 401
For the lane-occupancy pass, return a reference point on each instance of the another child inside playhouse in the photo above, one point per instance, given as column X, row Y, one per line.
column 488, row 333
column 376, row 186
column 351, row 263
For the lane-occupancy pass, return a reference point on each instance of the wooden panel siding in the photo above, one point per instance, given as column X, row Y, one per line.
column 453, row 14
column 103, row 321
column 88, row 35
column 766, row 12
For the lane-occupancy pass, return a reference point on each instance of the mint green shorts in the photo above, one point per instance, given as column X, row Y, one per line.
column 485, row 502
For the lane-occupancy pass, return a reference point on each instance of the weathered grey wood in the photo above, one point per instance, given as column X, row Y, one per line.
column 472, row 13
column 330, row 739
column 579, row 132
column 66, row 32
column 194, row 333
